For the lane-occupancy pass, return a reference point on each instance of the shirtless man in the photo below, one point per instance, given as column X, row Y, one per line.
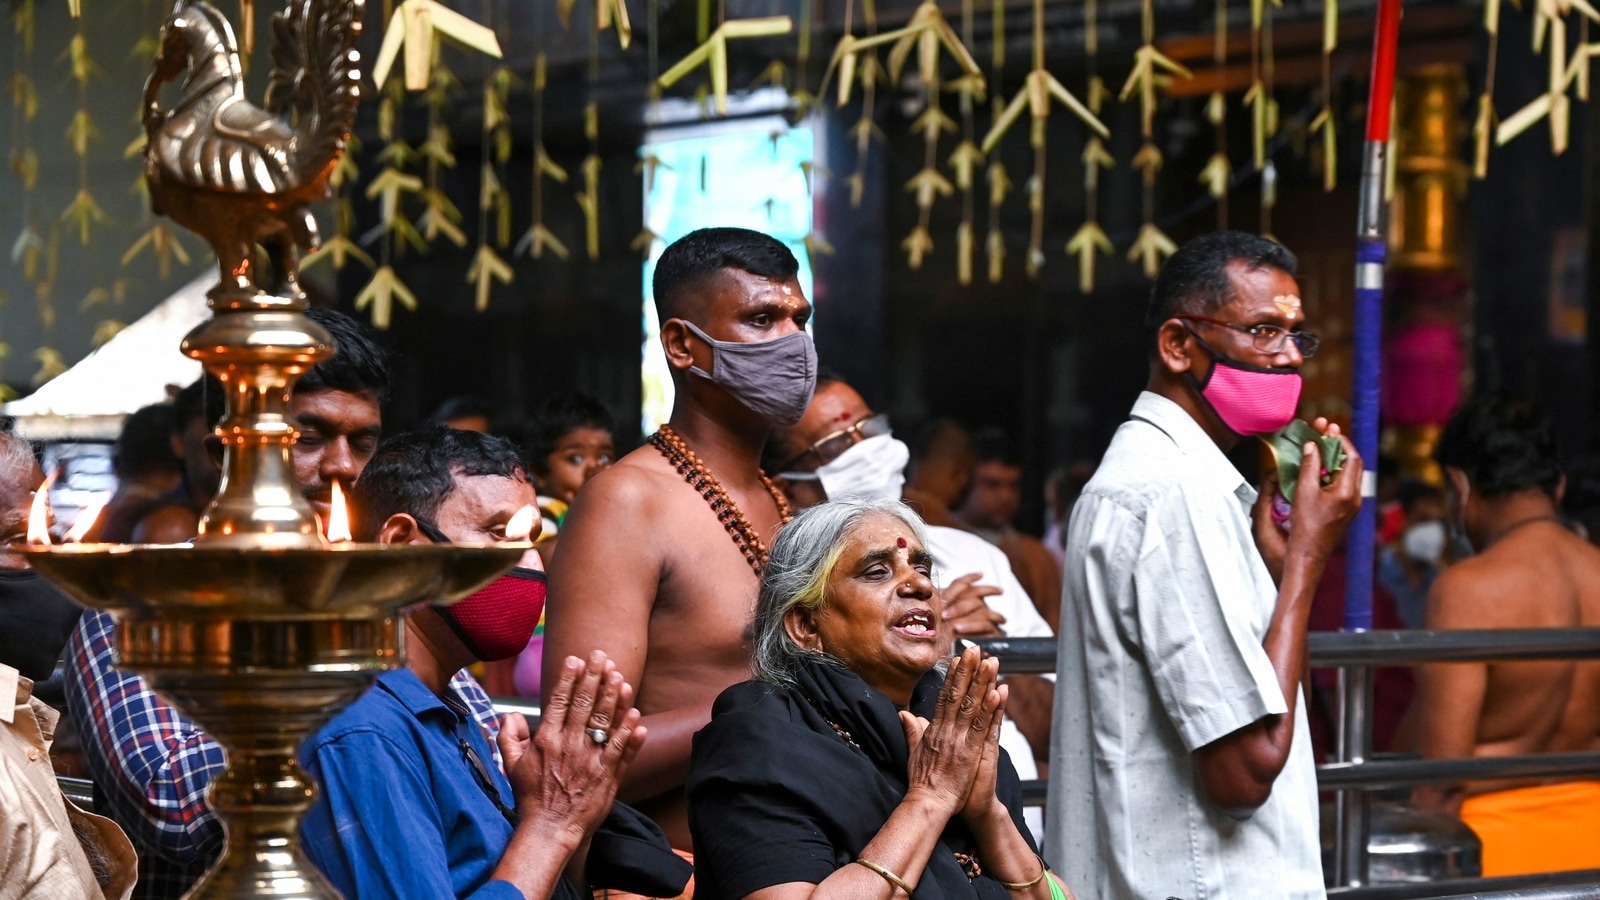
column 1530, row 572
column 648, row 572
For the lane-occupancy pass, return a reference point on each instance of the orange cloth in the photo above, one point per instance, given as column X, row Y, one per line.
column 1549, row 828
column 688, row 889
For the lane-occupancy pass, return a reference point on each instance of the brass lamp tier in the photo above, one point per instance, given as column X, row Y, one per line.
column 260, row 647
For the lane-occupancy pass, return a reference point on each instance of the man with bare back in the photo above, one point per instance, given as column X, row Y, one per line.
column 1530, row 572
column 660, row 554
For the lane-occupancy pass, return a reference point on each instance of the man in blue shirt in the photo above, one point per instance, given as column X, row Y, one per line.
column 409, row 806
column 152, row 766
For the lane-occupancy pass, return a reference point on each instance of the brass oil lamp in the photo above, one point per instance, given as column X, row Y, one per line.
column 263, row 628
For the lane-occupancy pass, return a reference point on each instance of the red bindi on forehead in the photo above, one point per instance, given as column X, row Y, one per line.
column 900, row 542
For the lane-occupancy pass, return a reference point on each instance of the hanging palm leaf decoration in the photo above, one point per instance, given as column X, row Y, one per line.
column 1038, row 90
column 998, row 179
column 1218, row 170
column 1152, row 245
column 713, row 54
column 416, row 27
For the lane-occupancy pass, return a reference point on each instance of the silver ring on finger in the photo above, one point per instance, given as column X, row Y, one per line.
column 598, row 735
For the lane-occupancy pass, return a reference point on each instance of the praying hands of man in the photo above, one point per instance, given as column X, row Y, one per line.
column 565, row 775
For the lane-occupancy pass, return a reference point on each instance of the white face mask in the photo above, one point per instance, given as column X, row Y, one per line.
column 1425, row 541
column 873, row 469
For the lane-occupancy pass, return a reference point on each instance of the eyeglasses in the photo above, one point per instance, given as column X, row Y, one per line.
column 1269, row 338
column 830, row 446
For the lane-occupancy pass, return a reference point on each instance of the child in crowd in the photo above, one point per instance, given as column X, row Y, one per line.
column 568, row 442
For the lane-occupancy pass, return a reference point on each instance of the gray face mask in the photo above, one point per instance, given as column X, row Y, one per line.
column 773, row 379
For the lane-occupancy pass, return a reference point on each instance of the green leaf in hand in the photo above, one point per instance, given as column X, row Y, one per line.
column 1286, row 447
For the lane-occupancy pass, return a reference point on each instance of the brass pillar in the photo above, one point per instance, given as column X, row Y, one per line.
column 1425, row 225
column 1430, row 175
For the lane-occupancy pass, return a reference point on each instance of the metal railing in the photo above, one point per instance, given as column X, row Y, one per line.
column 1353, row 775
column 79, row 790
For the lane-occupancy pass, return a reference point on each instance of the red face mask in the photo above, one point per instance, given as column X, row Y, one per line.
column 498, row 621
column 1249, row 399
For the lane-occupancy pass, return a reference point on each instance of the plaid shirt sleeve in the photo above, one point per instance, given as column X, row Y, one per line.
column 482, row 708
column 151, row 764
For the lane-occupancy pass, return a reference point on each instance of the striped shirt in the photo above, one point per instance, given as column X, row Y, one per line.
column 152, row 765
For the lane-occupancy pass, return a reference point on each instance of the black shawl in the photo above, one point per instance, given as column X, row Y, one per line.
column 777, row 794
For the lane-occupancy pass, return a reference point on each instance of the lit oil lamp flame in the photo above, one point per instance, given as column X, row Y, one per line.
column 338, row 517
column 86, row 520
column 520, row 526
column 39, row 514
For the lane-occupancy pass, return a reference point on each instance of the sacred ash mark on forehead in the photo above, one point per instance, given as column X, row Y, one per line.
column 1288, row 304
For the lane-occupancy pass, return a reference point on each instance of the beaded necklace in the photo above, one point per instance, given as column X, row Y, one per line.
column 699, row 477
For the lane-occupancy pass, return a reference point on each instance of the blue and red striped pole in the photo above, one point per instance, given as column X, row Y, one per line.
column 1352, row 810
column 1371, row 253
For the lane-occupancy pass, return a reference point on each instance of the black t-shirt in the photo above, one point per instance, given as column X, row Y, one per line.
column 778, row 795
column 36, row 618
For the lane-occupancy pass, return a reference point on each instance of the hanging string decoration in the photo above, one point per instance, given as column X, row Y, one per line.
column 967, row 160
column 999, row 181
column 1258, row 98
column 1324, row 122
column 645, row 241
column 1150, row 68
column 487, row 266
column 416, row 27
column 158, row 240
column 28, row 248
column 539, row 238
column 1090, row 240
column 385, row 288
column 803, row 103
column 1550, row 25
column 83, row 212
column 589, row 198
column 1483, row 126
column 1218, row 170
column 1268, row 103
column 609, row 13
column 713, row 54
column 440, row 215
column 339, row 248
column 928, row 34
column 869, row 73
column 1038, row 90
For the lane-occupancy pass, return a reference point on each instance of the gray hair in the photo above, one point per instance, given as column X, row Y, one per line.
column 17, row 454
column 796, row 577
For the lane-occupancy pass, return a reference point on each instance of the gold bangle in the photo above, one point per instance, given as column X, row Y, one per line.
column 888, row 876
column 1028, row 884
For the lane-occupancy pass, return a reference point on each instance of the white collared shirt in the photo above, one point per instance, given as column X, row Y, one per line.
column 957, row 553
column 1169, row 602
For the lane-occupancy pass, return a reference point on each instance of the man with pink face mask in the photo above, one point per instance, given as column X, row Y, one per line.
column 1179, row 757
column 410, row 801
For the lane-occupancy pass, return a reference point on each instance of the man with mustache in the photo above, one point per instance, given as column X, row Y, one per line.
column 151, row 765
column 1181, row 761
column 407, row 806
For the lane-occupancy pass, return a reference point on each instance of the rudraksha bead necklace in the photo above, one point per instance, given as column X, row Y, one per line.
column 699, row 477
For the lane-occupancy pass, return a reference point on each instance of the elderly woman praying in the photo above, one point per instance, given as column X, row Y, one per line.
column 851, row 767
